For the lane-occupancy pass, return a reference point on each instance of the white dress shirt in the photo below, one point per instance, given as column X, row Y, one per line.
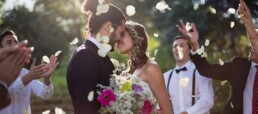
column 181, row 97
column 248, row 92
column 20, row 94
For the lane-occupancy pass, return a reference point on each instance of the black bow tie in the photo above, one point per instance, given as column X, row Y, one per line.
column 181, row 69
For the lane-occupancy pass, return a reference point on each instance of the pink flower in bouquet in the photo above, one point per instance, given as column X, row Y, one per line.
column 106, row 97
column 147, row 107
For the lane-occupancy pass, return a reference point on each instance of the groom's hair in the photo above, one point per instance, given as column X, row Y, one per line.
column 182, row 37
column 95, row 22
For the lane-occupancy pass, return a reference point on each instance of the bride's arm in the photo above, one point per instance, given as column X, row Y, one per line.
column 154, row 77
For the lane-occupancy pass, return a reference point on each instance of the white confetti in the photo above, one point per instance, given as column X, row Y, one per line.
column 156, row 35
column 223, row 82
column 58, row 53
column 75, row 41
column 130, row 10
column 213, row 10
column 232, row 106
column 221, row 62
column 46, row 112
column 200, row 50
column 207, row 42
column 188, row 26
column 180, row 52
column 46, row 59
column 91, row 95
column 162, row 5
column 231, row 11
column 204, row 54
column 183, row 82
column 155, row 52
column 196, row 6
column 232, row 24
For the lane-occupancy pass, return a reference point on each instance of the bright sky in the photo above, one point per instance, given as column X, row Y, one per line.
column 11, row 3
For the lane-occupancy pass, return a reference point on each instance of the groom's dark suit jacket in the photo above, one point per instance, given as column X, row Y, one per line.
column 86, row 69
column 235, row 72
column 5, row 99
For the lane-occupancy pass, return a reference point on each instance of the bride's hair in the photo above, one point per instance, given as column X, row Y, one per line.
column 95, row 22
column 140, row 43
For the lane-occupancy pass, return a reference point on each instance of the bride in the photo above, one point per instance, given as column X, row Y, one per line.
column 134, row 43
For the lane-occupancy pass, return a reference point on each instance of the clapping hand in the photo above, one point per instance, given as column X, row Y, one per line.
column 51, row 68
column 193, row 36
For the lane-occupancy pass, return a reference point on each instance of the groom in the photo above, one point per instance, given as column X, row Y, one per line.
column 87, row 67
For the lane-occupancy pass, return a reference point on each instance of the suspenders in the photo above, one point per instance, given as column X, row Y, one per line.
column 193, row 86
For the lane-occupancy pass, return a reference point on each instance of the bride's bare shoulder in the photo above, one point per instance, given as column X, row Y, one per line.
column 152, row 66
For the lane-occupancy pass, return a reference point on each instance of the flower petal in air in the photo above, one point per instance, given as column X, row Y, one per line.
column 91, row 96
column 75, row 41
column 46, row 59
column 58, row 53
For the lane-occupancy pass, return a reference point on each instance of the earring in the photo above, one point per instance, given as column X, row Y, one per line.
column 111, row 29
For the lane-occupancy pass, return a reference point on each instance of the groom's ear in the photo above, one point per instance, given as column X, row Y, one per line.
column 106, row 27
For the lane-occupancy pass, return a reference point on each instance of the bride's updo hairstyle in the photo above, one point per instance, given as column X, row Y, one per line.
column 140, row 43
column 95, row 22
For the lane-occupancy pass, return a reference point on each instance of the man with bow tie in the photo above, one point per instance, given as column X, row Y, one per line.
column 190, row 93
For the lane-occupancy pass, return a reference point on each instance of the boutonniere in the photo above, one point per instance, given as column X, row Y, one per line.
column 104, row 47
column 102, row 8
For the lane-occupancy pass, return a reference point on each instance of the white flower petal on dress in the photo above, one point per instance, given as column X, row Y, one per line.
column 130, row 10
column 46, row 112
column 207, row 42
column 102, row 8
column 188, row 26
column 75, row 41
column 46, row 59
column 59, row 111
column 221, row 62
column 200, row 50
column 90, row 96
column 180, row 52
column 58, row 53
column 183, row 82
column 105, row 39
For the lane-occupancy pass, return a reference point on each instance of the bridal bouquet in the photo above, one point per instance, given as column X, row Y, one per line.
column 126, row 95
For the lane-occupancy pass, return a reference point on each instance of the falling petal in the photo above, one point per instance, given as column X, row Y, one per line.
column 200, row 50
column 156, row 35
column 231, row 11
column 232, row 106
column 180, row 52
column 46, row 112
column 105, row 39
column 155, row 52
column 130, row 10
column 102, row 8
column 188, row 26
column 207, row 42
column 75, row 41
column 221, row 62
column 183, row 82
column 213, row 10
column 58, row 53
column 232, row 24
column 46, row 59
column 162, row 5
column 223, row 82
column 59, row 111
column 241, row 15
column 196, row 6
column 204, row 54
column 90, row 96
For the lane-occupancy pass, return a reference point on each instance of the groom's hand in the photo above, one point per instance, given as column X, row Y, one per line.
column 193, row 36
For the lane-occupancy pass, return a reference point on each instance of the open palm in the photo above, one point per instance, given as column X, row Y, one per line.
column 51, row 66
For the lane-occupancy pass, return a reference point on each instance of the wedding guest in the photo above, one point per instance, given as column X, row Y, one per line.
column 190, row 93
column 14, row 58
column 241, row 73
column 89, row 64
column 20, row 90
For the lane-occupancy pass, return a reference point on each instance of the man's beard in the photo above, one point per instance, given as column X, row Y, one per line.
column 112, row 41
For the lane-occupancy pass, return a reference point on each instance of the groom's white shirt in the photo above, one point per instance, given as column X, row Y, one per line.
column 93, row 40
column 182, row 96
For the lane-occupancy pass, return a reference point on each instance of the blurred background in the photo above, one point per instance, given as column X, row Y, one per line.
column 50, row 25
